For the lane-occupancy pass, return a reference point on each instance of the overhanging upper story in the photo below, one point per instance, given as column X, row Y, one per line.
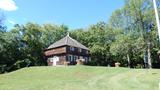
column 67, row 45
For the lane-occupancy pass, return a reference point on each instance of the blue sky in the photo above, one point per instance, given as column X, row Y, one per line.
column 73, row 13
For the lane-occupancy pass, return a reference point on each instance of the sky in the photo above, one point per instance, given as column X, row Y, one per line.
column 73, row 13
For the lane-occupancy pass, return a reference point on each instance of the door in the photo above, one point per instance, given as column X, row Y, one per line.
column 54, row 60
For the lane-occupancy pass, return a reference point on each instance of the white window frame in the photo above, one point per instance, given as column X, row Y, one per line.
column 80, row 50
column 71, row 59
column 72, row 48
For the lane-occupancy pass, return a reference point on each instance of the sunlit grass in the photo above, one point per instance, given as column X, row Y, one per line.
column 80, row 78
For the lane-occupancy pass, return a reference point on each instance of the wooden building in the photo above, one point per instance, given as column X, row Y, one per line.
column 66, row 50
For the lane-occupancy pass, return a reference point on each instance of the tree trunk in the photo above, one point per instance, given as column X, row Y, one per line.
column 149, row 55
column 145, row 59
column 128, row 59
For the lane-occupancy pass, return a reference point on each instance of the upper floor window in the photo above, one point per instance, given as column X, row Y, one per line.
column 80, row 50
column 72, row 49
column 87, row 51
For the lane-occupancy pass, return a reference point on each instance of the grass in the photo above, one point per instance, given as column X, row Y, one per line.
column 80, row 78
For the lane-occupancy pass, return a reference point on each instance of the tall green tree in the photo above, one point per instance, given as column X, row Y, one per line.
column 33, row 39
column 137, row 16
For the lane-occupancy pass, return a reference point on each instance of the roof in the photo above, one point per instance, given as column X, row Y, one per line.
column 67, row 40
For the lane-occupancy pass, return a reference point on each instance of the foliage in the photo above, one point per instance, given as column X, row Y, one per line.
column 26, row 43
column 138, row 17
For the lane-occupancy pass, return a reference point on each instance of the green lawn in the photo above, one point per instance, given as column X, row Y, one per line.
column 80, row 78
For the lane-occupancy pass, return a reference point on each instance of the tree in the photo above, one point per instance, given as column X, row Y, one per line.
column 98, row 38
column 33, row 39
column 137, row 16
column 52, row 33
column 127, row 45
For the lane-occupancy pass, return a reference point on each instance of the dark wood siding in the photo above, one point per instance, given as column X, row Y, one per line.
column 61, row 61
column 77, row 51
column 64, row 52
column 55, row 51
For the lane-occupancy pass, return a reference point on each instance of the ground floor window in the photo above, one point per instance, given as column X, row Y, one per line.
column 75, row 57
column 72, row 58
column 80, row 57
column 86, row 59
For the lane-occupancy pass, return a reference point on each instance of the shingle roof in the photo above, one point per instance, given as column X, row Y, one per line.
column 67, row 40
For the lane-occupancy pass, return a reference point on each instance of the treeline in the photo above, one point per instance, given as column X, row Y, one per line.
column 129, row 37
column 24, row 44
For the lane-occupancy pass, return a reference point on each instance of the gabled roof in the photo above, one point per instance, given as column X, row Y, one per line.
column 67, row 40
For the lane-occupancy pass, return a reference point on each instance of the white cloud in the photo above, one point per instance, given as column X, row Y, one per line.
column 11, row 22
column 8, row 5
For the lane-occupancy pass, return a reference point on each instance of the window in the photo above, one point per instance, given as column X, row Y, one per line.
column 86, row 59
column 75, row 58
column 81, row 57
column 80, row 50
column 72, row 48
column 70, row 58
column 87, row 52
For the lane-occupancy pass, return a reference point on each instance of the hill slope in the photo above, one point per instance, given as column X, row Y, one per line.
column 80, row 78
